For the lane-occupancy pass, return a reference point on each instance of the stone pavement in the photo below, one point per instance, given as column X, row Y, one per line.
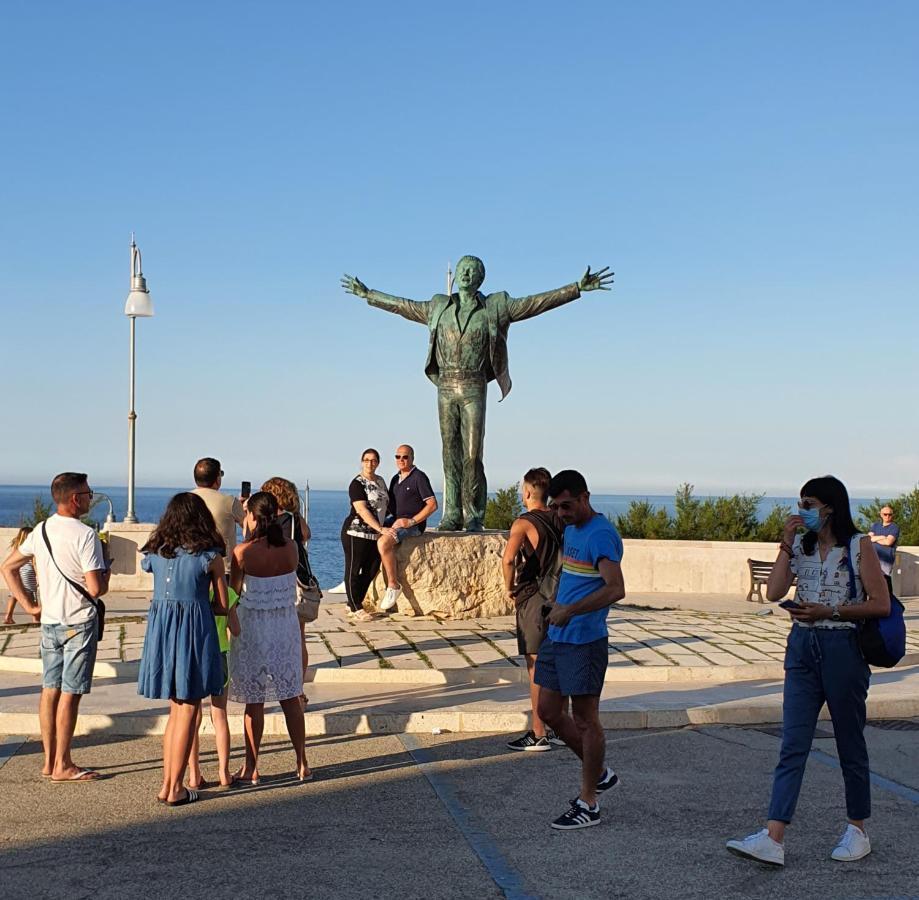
column 415, row 675
column 433, row 817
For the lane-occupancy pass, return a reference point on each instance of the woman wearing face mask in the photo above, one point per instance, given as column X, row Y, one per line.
column 839, row 582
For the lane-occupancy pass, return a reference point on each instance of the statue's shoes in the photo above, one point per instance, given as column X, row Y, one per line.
column 474, row 527
column 449, row 526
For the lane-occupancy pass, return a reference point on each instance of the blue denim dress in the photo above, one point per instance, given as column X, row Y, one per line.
column 181, row 658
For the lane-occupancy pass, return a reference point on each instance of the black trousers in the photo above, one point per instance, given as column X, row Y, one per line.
column 362, row 562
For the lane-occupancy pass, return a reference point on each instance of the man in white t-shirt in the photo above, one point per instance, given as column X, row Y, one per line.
column 68, row 618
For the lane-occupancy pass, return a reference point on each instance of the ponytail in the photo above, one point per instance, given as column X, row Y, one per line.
column 264, row 509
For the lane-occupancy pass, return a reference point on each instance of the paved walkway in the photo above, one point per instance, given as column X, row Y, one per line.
column 640, row 640
column 401, row 674
column 426, row 817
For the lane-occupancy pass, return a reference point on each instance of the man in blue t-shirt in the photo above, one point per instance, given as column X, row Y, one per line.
column 572, row 659
column 885, row 535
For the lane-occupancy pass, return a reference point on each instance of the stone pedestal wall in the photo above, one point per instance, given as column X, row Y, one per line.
column 455, row 574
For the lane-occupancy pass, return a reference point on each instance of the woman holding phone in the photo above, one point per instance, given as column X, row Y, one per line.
column 839, row 582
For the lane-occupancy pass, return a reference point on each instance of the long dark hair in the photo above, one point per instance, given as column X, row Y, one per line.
column 187, row 523
column 833, row 493
column 264, row 509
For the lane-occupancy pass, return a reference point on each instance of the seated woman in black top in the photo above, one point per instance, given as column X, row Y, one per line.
column 361, row 530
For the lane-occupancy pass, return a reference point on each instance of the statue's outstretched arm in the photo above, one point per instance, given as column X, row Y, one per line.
column 414, row 310
column 527, row 307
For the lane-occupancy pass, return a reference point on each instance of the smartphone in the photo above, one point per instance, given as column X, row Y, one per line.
column 246, row 490
column 790, row 604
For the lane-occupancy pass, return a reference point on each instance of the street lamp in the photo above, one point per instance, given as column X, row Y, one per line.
column 138, row 305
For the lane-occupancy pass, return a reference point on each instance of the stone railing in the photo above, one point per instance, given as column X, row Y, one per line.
column 473, row 567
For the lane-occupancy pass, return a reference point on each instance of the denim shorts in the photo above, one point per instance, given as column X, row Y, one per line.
column 403, row 533
column 68, row 655
column 572, row 670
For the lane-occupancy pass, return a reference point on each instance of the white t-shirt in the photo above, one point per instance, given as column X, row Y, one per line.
column 77, row 549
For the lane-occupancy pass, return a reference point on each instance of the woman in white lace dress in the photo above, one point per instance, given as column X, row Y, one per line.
column 265, row 661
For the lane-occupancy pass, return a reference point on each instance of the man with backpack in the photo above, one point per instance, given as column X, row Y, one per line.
column 531, row 564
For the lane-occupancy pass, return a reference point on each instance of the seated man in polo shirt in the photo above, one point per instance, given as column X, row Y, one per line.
column 411, row 498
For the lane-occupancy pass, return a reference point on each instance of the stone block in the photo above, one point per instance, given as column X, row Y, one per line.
column 453, row 574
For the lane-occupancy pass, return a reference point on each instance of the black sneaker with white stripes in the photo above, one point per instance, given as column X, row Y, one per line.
column 530, row 743
column 553, row 738
column 609, row 779
column 580, row 815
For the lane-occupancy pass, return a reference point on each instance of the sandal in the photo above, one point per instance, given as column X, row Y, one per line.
column 190, row 797
column 79, row 776
column 202, row 785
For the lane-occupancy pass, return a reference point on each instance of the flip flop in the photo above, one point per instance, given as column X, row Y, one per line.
column 79, row 776
column 303, row 779
column 202, row 785
column 190, row 797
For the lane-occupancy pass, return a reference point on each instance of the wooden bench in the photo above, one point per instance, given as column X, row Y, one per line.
column 760, row 571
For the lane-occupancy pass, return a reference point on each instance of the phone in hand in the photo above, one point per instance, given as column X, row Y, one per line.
column 246, row 490
column 790, row 604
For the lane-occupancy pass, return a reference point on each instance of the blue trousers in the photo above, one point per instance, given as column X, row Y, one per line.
column 823, row 665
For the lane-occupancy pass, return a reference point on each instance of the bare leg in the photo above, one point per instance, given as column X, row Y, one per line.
column 254, row 727
column 10, row 606
column 65, row 722
column 47, row 715
column 167, row 757
column 539, row 727
column 552, row 709
column 586, row 709
column 221, row 737
column 293, row 715
column 387, row 547
column 184, row 715
column 306, row 657
column 776, row 830
column 194, row 755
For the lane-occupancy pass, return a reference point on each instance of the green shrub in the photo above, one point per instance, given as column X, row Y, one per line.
column 643, row 520
column 40, row 512
column 712, row 519
column 503, row 508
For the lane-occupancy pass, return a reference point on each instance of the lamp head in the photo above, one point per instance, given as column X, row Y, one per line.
column 139, row 303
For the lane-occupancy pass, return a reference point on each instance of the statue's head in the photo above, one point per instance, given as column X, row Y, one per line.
column 470, row 273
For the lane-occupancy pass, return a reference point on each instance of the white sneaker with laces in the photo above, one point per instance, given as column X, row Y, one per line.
column 390, row 598
column 853, row 845
column 759, row 846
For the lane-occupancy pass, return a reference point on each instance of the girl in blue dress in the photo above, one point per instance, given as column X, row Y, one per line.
column 181, row 659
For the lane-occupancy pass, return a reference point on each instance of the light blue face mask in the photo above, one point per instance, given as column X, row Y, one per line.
column 812, row 518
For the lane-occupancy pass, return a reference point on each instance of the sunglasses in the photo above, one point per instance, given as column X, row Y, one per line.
column 403, row 457
column 83, row 494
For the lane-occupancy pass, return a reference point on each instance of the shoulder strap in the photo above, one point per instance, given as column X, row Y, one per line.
column 851, row 554
column 75, row 585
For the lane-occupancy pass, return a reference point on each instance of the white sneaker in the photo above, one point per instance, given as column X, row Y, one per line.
column 759, row 846
column 853, row 845
column 390, row 598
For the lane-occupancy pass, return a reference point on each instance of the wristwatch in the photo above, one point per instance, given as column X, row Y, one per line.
column 835, row 615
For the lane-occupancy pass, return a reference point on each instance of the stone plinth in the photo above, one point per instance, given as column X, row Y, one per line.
column 455, row 574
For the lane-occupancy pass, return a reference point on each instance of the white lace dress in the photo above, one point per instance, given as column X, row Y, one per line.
column 265, row 660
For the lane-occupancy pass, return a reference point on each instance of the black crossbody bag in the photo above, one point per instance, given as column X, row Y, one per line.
column 98, row 605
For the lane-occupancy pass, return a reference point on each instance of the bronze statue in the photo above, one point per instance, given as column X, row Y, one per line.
column 467, row 349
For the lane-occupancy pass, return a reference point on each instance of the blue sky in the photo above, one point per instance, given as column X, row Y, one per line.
column 748, row 170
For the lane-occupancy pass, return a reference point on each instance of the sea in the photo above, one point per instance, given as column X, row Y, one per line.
column 326, row 512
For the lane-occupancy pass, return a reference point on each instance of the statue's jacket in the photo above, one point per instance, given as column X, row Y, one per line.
column 501, row 310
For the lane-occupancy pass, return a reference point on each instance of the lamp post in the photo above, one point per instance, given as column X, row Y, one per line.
column 138, row 305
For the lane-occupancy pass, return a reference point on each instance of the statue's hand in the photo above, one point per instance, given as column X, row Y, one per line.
column 596, row 281
column 355, row 286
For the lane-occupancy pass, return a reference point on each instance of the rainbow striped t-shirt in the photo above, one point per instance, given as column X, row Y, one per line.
column 585, row 546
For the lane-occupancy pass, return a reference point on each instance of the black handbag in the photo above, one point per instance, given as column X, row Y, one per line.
column 97, row 604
